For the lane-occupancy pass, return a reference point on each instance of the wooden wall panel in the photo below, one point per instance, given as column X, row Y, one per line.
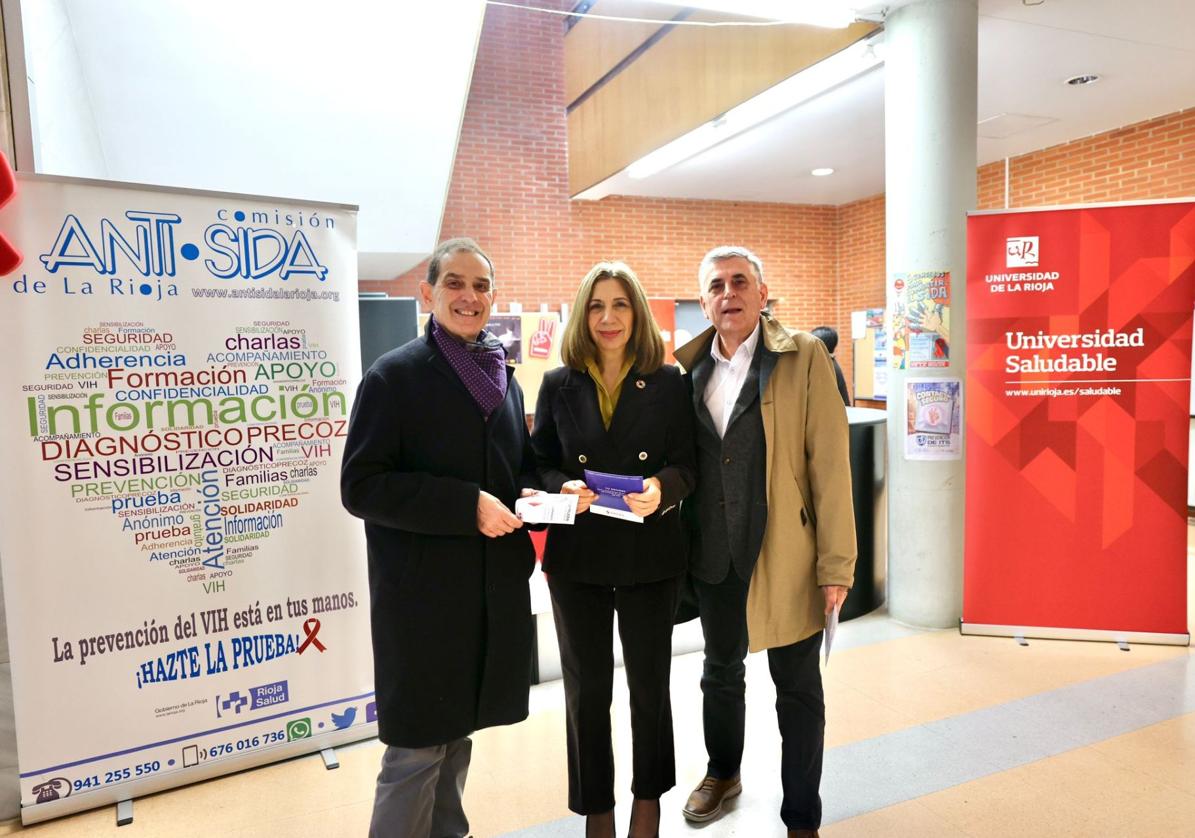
column 593, row 48
column 688, row 77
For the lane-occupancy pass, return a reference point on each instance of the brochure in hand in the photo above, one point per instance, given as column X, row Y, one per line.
column 609, row 489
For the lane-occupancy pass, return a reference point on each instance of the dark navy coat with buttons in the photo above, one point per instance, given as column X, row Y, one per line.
column 650, row 435
column 450, row 609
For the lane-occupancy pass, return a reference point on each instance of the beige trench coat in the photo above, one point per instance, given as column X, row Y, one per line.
column 808, row 467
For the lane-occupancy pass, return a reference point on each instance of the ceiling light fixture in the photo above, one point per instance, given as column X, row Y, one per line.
column 797, row 89
column 822, row 172
column 829, row 14
column 1086, row 78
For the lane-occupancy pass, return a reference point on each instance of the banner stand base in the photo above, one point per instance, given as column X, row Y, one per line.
column 124, row 812
column 1056, row 633
column 126, row 792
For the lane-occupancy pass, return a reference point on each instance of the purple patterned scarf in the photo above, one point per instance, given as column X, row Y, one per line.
column 480, row 365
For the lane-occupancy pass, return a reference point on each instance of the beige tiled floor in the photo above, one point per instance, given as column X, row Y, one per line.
column 1141, row 783
column 888, row 686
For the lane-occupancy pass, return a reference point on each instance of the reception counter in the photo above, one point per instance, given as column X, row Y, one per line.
column 869, row 482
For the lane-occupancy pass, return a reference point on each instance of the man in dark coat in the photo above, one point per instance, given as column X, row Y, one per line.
column 437, row 453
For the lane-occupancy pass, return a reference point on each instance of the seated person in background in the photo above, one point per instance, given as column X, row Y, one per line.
column 829, row 337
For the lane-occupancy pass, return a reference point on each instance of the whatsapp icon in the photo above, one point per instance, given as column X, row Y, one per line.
column 298, row 729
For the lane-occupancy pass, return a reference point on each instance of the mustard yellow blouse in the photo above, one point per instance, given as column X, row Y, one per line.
column 608, row 400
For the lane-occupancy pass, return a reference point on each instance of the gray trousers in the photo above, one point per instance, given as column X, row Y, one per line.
column 419, row 792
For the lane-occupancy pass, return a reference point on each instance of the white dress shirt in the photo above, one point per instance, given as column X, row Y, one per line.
column 726, row 381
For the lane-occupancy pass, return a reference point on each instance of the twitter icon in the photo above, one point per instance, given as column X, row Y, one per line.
column 345, row 718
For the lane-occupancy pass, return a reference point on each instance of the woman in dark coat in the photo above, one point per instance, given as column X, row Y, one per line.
column 615, row 407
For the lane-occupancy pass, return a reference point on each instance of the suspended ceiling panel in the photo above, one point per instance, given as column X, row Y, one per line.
column 1144, row 52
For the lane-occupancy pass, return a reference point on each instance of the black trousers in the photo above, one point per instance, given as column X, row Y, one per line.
column 800, row 704
column 585, row 628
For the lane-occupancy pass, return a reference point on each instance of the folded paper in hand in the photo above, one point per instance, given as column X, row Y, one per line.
column 831, row 630
column 547, row 509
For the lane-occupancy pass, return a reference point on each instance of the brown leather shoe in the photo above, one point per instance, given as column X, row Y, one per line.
column 705, row 803
column 802, row 833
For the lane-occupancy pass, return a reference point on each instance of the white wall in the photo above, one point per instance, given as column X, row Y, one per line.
column 65, row 139
column 356, row 102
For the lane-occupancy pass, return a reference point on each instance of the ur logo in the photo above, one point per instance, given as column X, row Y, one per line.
column 234, row 702
column 298, row 729
column 1022, row 252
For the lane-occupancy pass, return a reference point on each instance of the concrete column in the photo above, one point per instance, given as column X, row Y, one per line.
column 930, row 113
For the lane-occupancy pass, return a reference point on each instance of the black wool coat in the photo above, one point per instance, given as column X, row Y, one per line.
column 651, row 434
column 450, row 609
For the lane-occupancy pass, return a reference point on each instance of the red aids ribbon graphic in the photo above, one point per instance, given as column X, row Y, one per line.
column 10, row 257
column 311, row 629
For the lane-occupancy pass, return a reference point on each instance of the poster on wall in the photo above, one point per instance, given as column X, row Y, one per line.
column 532, row 343
column 875, row 320
column 1079, row 363
column 508, row 328
column 179, row 573
column 663, row 310
column 933, row 419
column 921, row 320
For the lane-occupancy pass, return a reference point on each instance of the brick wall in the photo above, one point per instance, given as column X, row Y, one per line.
column 989, row 191
column 509, row 191
column 1150, row 160
column 860, row 269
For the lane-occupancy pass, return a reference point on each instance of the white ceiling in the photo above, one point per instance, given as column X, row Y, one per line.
column 1144, row 51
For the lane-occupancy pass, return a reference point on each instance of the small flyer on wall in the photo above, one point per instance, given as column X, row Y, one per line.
column 508, row 328
column 875, row 320
column 921, row 320
column 933, row 419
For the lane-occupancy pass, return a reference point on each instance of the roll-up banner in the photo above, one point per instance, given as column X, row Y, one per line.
column 185, row 595
column 1078, row 386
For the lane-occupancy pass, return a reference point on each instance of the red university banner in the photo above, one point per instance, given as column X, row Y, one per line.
column 1078, row 396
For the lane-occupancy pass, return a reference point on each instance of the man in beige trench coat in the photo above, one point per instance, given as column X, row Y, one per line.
column 774, row 551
